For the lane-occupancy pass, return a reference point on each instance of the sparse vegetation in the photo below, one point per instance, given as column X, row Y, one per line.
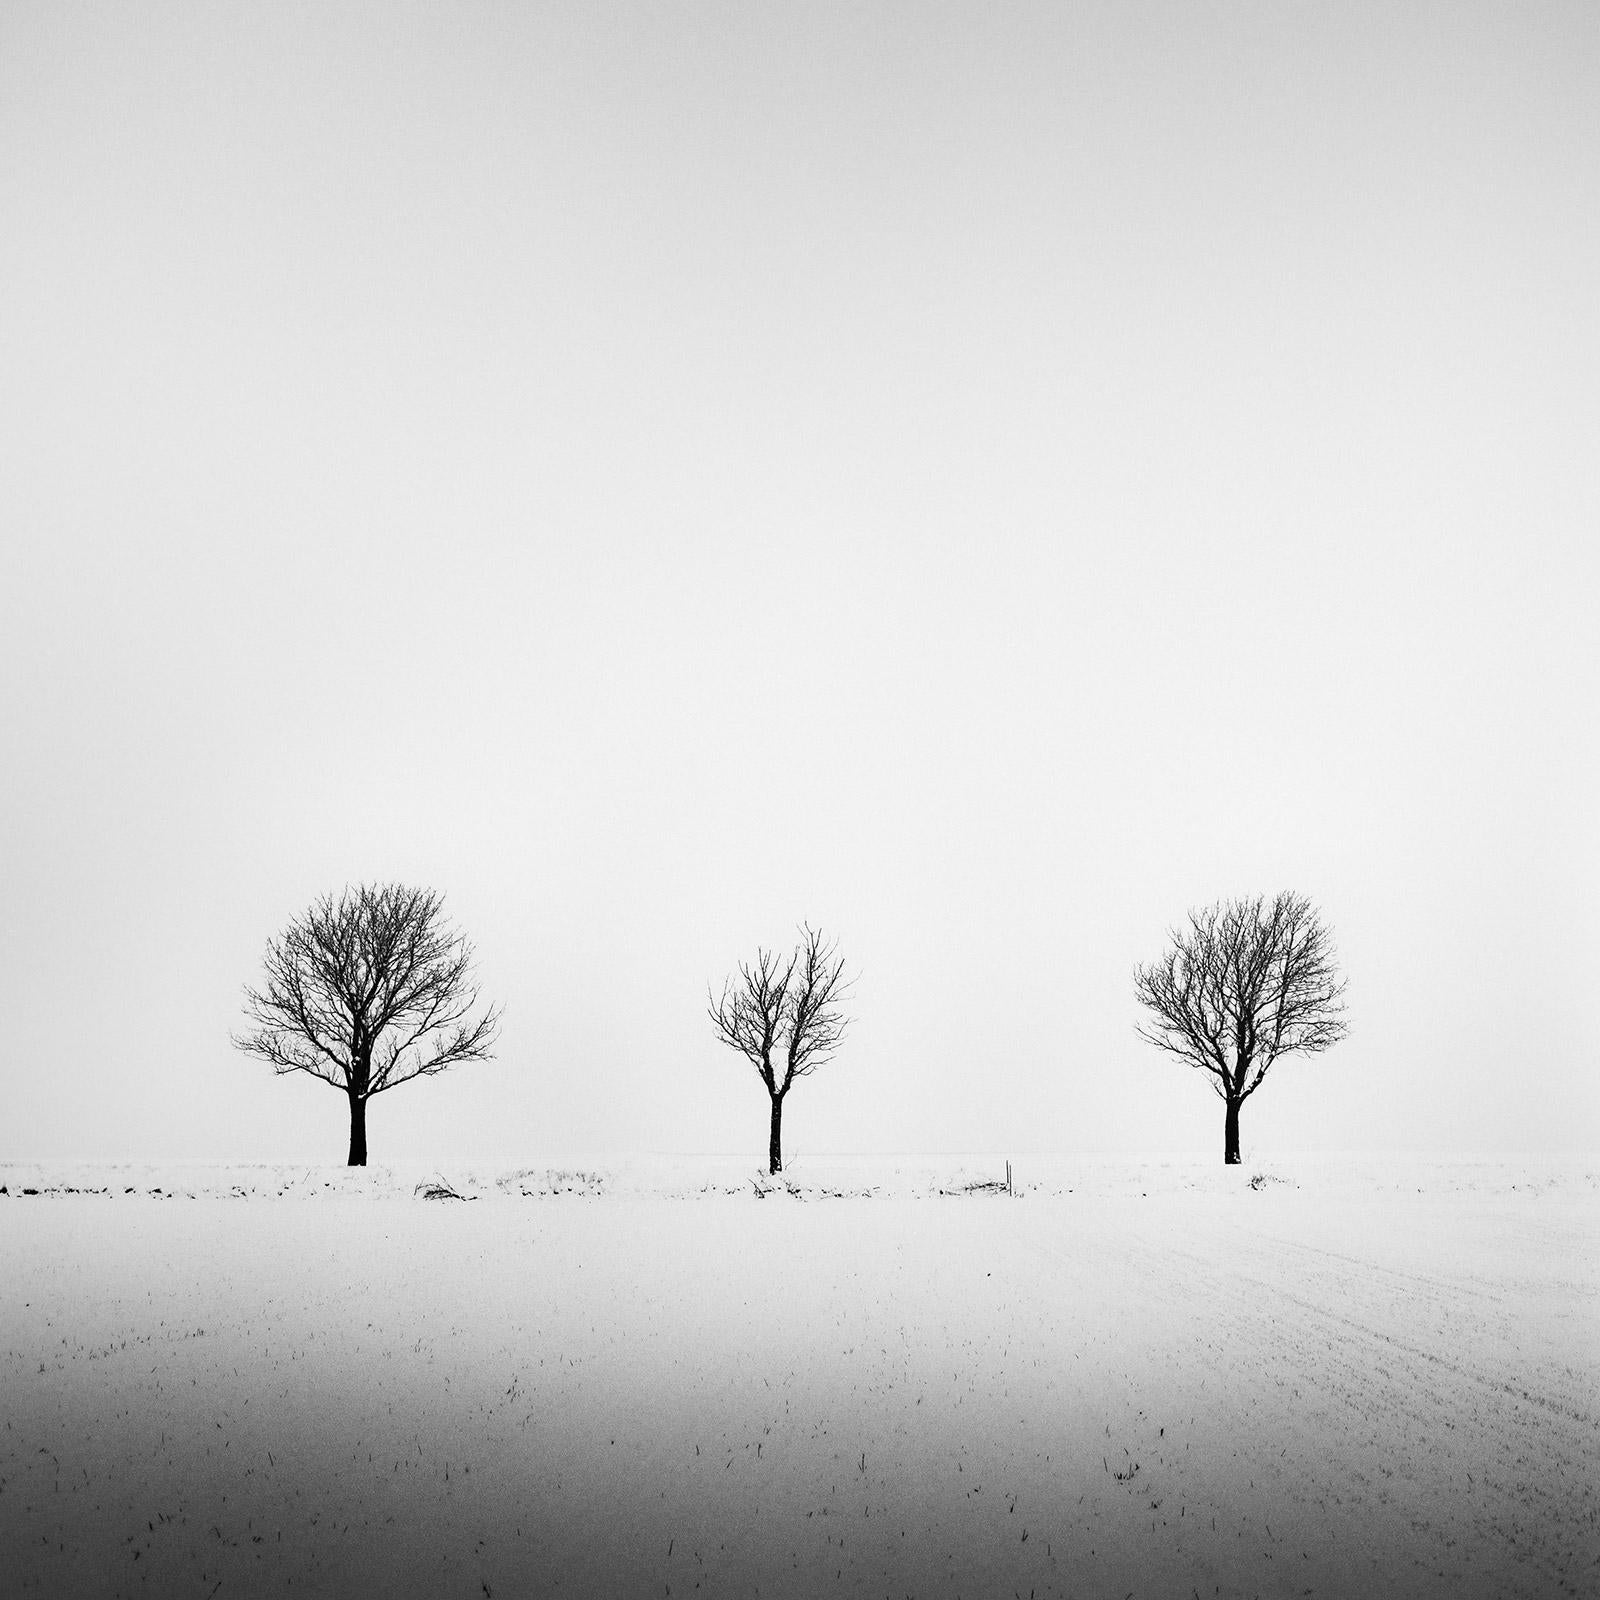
column 1260, row 1180
column 532, row 1182
column 439, row 1189
column 985, row 1185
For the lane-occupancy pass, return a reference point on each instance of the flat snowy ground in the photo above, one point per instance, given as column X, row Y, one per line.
column 1355, row 1378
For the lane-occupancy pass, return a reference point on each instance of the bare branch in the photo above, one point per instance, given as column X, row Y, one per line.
column 751, row 1013
column 816, row 1019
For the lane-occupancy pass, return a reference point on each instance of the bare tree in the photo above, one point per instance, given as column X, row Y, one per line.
column 791, row 1010
column 1244, row 983
column 366, row 993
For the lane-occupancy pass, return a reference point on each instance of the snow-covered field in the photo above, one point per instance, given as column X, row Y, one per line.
column 1316, row 1376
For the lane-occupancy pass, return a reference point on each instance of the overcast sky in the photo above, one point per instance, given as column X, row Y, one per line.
column 984, row 479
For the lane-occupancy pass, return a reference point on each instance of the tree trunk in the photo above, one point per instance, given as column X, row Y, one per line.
column 775, row 1144
column 358, row 1130
column 1230, row 1133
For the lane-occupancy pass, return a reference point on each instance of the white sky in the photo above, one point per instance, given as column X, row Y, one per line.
column 982, row 478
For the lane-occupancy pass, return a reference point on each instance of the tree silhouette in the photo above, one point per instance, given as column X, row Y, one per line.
column 368, row 992
column 1245, row 983
column 791, row 1010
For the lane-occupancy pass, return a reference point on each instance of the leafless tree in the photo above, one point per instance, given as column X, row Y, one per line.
column 790, row 1010
column 1246, row 982
column 367, row 992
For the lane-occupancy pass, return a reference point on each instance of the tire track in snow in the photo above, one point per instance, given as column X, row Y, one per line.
column 1424, row 1421
column 1566, row 1408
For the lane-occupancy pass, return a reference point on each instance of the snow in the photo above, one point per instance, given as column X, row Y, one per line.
column 1331, row 1376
